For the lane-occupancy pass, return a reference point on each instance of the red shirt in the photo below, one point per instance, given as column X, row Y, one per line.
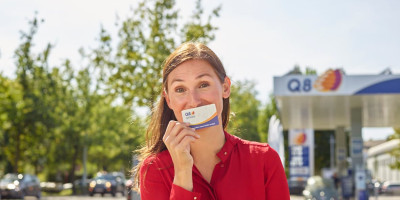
column 248, row 170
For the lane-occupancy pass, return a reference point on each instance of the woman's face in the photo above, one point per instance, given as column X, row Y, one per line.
column 194, row 83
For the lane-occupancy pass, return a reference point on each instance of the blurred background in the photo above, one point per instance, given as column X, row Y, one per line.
column 78, row 79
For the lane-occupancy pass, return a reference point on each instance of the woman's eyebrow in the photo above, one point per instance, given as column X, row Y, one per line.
column 176, row 80
column 198, row 77
column 202, row 75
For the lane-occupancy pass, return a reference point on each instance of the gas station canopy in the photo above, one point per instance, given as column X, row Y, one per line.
column 325, row 102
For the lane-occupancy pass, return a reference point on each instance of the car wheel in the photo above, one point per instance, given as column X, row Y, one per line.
column 22, row 195
column 39, row 195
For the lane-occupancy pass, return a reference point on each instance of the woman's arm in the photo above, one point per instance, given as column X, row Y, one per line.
column 276, row 186
column 177, row 138
column 152, row 184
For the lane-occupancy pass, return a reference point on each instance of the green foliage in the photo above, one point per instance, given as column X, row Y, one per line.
column 396, row 151
column 27, row 105
column 321, row 150
column 196, row 29
column 49, row 115
column 133, row 71
column 10, row 112
column 308, row 71
column 244, row 109
column 266, row 113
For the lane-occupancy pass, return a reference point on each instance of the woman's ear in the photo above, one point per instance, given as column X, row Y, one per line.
column 166, row 97
column 226, row 88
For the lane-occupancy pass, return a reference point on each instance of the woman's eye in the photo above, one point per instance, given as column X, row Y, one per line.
column 203, row 85
column 179, row 90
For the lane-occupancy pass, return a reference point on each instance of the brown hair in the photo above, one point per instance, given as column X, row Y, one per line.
column 162, row 114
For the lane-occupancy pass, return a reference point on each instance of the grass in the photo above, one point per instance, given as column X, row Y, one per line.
column 66, row 192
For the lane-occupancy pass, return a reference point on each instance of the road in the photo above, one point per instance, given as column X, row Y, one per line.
column 292, row 197
column 119, row 197
column 95, row 197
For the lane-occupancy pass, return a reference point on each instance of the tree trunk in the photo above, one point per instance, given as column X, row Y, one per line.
column 73, row 164
column 17, row 151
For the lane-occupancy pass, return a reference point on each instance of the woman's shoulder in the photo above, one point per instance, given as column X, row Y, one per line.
column 158, row 159
column 156, row 165
column 260, row 152
column 254, row 148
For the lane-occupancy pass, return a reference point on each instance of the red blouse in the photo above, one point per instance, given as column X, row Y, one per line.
column 248, row 170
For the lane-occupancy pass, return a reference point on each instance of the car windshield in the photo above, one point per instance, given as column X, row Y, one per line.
column 9, row 178
column 318, row 182
column 106, row 177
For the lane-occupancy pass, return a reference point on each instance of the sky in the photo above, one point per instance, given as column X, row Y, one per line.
column 256, row 39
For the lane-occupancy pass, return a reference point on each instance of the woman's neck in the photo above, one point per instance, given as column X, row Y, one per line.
column 211, row 141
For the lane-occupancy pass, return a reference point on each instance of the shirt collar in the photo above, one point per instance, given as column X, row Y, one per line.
column 226, row 150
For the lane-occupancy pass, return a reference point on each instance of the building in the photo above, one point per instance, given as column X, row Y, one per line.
column 379, row 160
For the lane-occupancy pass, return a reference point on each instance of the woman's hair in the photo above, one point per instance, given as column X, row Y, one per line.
column 162, row 114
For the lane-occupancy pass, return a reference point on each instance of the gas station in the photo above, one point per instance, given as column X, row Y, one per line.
column 339, row 102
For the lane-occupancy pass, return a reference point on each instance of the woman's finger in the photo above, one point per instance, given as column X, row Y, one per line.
column 185, row 143
column 175, row 132
column 187, row 131
column 171, row 125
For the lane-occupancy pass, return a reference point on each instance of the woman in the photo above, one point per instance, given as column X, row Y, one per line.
column 209, row 163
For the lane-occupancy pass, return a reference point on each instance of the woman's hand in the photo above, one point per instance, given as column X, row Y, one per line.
column 177, row 138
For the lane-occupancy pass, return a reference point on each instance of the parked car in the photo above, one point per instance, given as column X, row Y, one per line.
column 391, row 188
column 375, row 186
column 111, row 183
column 131, row 194
column 19, row 186
column 51, row 187
column 296, row 186
column 320, row 188
column 129, row 185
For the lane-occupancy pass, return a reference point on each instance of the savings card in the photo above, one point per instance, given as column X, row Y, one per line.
column 201, row 117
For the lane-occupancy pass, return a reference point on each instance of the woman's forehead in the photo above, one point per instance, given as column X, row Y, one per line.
column 192, row 69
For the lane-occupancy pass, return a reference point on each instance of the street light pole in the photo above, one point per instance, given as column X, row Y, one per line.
column 84, row 177
column 332, row 145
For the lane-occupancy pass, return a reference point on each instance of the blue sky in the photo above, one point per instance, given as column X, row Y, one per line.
column 256, row 40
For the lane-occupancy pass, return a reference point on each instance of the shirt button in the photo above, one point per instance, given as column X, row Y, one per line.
column 225, row 153
column 222, row 165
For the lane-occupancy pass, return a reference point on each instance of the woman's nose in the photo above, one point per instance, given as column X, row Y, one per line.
column 194, row 99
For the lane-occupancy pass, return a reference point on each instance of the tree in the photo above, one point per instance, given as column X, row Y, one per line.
column 146, row 38
column 396, row 151
column 244, row 109
column 10, row 104
column 297, row 70
column 50, row 114
column 266, row 113
column 29, row 105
